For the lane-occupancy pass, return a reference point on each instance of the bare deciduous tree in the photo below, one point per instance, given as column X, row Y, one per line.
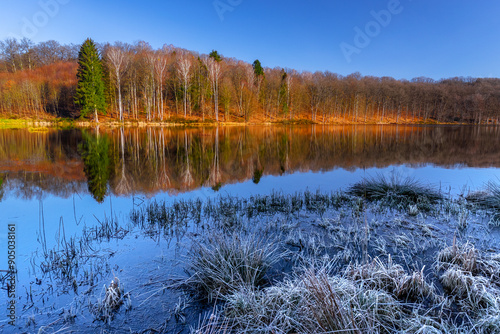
column 118, row 59
column 161, row 61
column 214, row 74
column 184, row 66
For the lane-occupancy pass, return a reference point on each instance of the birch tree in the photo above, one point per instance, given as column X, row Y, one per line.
column 160, row 66
column 118, row 59
column 214, row 74
column 183, row 67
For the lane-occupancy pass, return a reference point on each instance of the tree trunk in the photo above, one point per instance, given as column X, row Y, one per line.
column 120, row 97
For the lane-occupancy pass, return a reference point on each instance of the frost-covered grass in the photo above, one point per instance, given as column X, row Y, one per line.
column 488, row 199
column 221, row 265
column 397, row 192
column 341, row 263
column 491, row 197
column 408, row 260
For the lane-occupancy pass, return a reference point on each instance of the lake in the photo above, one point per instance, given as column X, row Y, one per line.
column 59, row 185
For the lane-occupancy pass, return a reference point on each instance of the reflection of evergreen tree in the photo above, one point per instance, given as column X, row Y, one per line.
column 257, row 174
column 95, row 155
column 217, row 187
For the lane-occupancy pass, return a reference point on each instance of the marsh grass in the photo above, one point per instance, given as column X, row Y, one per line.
column 270, row 310
column 73, row 260
column 330, row 304
column 230, row 213
column 350, row 268
column 471, row 278
column 107, row 229
column 472, row 292
column 393, row 279
column 464, row 256
column 212, row 323
column 327, row 291
column 221, row 265
column 397, row 193
column 111, row 299
column 489, row 323
column 488, row 200
column 74, row 263
column 467, row 258
column 317, row 263
column 463, row 219
column 319, row 302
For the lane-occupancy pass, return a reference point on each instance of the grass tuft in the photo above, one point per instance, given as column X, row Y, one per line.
column 488, row 324
column 331, row 305
column 467, row 258
column 114, row 298
column 314, row 302
column 473, row 292
column 393, row 279
column 463, row 256
column 489, row 200
column 402, row 194
column 275, row 309
column 221, row 265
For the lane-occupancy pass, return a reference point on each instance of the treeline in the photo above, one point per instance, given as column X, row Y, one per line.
column 143, row 83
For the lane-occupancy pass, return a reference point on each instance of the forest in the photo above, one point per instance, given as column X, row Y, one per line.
column 172, row 84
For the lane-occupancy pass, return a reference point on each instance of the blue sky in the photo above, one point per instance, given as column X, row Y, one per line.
column 436, row 39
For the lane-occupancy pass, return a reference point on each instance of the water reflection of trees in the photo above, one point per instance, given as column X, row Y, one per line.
column 95, row 156
column 169, row 159
column 124, row 184
column 33, row 163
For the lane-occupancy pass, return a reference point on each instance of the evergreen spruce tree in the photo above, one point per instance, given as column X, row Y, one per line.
column 215, row 55
column 89, row 96
column 257, row 68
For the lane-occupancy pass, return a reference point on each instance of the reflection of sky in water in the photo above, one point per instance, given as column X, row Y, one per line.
column 472, row 178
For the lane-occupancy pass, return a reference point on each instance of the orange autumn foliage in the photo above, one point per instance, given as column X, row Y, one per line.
column 44, row 91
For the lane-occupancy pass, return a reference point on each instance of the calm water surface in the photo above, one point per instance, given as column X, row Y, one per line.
column 151, row 162
column 62, row 181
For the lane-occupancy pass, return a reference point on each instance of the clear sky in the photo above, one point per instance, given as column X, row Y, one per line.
column 431, row 38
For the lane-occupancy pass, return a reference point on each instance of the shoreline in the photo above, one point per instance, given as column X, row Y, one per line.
column 44, row 125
